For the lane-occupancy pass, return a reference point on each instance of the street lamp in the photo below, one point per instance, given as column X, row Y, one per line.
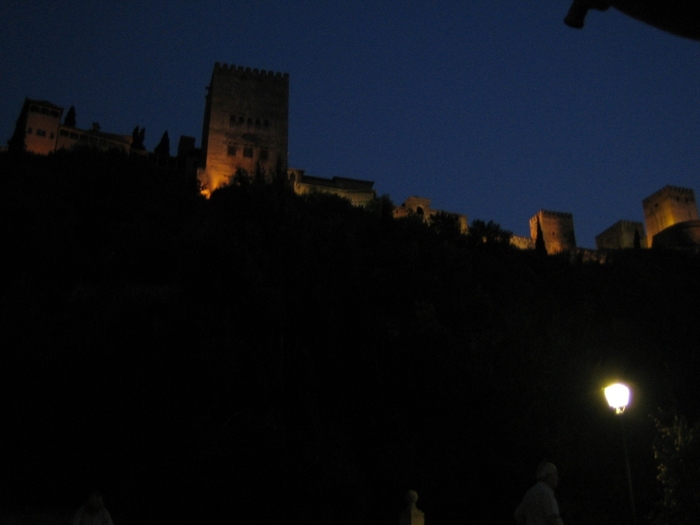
column 618, row 397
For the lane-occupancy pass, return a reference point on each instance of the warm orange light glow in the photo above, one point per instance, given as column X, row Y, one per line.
column 210, row 181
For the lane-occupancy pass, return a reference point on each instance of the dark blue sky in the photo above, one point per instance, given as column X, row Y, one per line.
column 491, row 108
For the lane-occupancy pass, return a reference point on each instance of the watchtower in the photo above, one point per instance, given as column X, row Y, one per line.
column 666, row 207
column 557, row 228
column 38, row 125
column 620, row 235
column 246, row 121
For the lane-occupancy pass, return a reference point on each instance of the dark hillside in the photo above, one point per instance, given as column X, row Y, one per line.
column 261, row 355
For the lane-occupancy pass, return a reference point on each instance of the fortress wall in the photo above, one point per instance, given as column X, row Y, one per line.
column 523, row 243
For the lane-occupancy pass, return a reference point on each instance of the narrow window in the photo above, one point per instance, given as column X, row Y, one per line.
column 29, row 131
column 263, row 154
column 231, row 151
column 248, row 152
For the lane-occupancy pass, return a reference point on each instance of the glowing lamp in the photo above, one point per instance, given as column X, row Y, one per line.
column 618, row 396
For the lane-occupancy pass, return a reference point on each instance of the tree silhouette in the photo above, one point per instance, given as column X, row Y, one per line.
column 489, row 233
column 163, row 147
column 69, row 120
column 677, row 453
column 16, row 143
column 137, row 138
column 539, row 240
column 446, row 225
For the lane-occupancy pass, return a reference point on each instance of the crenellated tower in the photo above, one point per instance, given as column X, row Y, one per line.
column 557, row 228
column 246, row 121
column 669, row 206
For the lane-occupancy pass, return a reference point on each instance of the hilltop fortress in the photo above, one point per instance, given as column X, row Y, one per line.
column 245, row 133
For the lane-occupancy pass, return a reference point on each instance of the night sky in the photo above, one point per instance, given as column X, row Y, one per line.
column 493, row 109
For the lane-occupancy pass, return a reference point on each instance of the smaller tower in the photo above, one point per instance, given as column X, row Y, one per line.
column 621, row 235
column 557, row 228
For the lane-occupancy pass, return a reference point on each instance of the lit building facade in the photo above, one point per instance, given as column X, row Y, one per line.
column 667, row 207
column 245, row 129
column 39, row 126
column 557, row 230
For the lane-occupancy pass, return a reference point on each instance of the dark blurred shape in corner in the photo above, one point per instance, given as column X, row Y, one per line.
column 680, row 17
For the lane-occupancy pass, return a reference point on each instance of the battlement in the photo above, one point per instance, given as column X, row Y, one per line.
column 667, row 191
column 550, row 213
column 241, row 71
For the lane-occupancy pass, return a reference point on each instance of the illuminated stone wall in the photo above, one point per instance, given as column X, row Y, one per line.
column 43, row 132
column 668, row 206
column 70, row 138
column 522, row 243
column 420, row 207
column 246, row 120
column 358, row 192
column 557, row 228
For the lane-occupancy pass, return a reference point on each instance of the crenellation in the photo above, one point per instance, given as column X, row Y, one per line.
column 246, row 72
column 667, row 190
column 551, row 213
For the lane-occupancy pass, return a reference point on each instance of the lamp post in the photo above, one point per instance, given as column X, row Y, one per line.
column 618, row 397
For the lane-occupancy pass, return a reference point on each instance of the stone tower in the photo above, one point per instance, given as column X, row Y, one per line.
column 38, row 125
column 668, row 206
column 245, row 124
column 557, row 228
column 621, row 235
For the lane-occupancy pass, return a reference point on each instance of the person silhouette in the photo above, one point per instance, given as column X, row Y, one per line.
column 539, row 505
column 93, row 512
